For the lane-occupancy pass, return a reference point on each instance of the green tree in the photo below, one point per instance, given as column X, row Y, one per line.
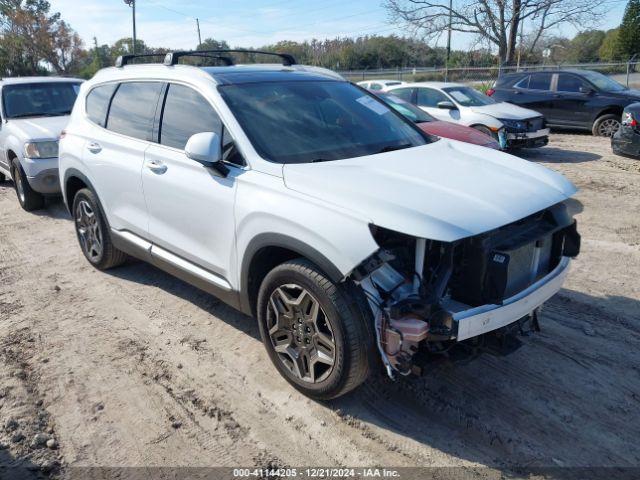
column 609, row 50
column 629, row 32
column 585, row 46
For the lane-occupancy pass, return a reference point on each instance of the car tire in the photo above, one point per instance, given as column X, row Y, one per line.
column 93, row 233
column 317, row 333
column 605, row 126
column 28, row 198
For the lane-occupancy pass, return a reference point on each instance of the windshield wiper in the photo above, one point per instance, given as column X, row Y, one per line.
column 39, row 114
column 392, row 148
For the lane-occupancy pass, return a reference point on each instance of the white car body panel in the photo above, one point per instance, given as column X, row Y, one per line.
column 434, row 191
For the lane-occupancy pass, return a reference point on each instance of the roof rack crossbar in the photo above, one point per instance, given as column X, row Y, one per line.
column 228, row 61
column 173, row 57
column 123, row 60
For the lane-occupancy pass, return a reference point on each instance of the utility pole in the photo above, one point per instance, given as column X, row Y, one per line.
column 132, row 4
column 446, row 65
column 521, row 40
column 199, row 37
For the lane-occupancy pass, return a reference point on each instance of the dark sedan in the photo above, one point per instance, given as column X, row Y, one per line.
column 626, row 141
column 580, row 99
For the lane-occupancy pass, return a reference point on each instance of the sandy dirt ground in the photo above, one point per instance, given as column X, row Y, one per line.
column 133, row 368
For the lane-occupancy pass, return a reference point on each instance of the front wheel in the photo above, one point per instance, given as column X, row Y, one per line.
column 28, row 198
column 93, row 234
column 315, row 331
column 606, row 125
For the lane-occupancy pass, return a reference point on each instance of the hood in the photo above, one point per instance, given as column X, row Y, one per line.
column 38, row 128
column 507, row 111
column 445, row 190
column 455, row 131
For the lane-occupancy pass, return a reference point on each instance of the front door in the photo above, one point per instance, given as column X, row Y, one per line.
column 571, row 100
column 428, row 99
column 191, row 207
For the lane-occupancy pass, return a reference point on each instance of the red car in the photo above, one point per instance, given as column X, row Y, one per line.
column 439, row 128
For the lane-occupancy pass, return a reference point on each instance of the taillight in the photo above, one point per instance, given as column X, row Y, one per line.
column 491, row 91
column 629, row 120
column 63, row 134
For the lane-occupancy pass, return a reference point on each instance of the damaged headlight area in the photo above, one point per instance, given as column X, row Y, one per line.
column 428, row 295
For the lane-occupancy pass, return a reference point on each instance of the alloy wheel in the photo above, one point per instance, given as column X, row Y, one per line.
column 301, row 333
column 609, row 127
column 89, row 230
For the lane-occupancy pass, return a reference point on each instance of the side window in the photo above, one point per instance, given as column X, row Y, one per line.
column 375, row 86
column 133, row 108
column 97, row 103
column 186, row 113
column 540, row 81
column 569, row 83
column 404, row 93
column 427, row 97
column 524, row 83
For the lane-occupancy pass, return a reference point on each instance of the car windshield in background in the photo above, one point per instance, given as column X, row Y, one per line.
column 39, row 99
column 603, row 82
column 311, row 121
column 406, row 109
column 469, row 97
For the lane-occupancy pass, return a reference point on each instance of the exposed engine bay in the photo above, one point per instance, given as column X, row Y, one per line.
column 416, row 287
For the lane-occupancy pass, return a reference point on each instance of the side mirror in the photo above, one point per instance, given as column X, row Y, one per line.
column 205, row 148
column 446, row 105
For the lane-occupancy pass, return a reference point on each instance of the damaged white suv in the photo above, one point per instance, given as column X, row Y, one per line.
column 310, row 204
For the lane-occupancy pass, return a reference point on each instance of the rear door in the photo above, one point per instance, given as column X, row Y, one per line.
column 535, row 92
column 571, row 100
column 115, row 152
column 191, row 207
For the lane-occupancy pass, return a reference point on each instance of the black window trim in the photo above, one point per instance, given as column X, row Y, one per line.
column 552, row 82
column 573, row 74
column 159, row 116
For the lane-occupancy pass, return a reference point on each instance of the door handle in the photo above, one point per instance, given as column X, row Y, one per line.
column 156, row 166
column 94, row 147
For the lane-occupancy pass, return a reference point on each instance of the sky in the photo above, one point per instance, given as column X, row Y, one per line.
column 247, row 23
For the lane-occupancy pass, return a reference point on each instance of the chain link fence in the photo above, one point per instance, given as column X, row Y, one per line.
column 626, row 73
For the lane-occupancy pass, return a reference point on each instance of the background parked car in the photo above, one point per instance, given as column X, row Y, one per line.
column 34, row 112
column 432, row 126
column 512, row 126
column 626, row 141
column 378, row 85
column 580, row 99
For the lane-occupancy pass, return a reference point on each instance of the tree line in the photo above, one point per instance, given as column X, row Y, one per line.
column 36, row 41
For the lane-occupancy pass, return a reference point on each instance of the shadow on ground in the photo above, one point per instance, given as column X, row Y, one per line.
column 560, row 406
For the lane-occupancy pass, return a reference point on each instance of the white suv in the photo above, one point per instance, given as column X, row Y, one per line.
column 305, row 201
column 34, row 111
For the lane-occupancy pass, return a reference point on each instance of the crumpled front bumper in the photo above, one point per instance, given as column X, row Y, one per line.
column 486, row 318
column 539, row 138
column 626, row 141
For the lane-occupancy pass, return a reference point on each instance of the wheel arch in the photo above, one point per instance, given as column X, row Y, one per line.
column 268, row 250
column 610, row 110
column 74, row 181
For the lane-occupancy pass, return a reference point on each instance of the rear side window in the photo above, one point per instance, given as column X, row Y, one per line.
column 375, row 86
column 186, row 113
column 97, row 103
column 133, row 108
column 405, row 94
column 540, row 81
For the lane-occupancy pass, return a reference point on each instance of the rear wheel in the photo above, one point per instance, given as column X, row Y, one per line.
column 606, row 125
column 28, row 198
column 315, row 332
column 93, row 234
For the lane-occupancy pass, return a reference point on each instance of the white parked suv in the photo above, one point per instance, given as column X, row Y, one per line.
column 511, row 125
column 34, row 111
column 305, row 202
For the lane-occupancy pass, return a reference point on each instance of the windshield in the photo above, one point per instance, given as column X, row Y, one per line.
column 406, row 109
column 309, row 121
column 39, row 99
column 602, row 82
column 469, row 97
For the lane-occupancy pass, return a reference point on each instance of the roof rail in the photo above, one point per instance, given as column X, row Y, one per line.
column 123, row 60
column 172, row 57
